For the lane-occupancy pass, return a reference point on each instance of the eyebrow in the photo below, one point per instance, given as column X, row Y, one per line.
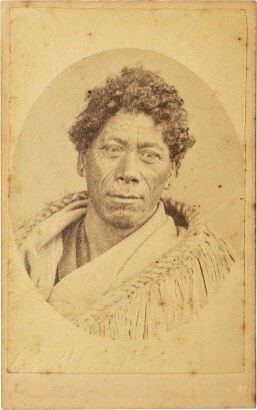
column 118, row 140
column 150, row 145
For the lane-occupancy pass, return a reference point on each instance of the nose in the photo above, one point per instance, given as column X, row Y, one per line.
column 128, row 171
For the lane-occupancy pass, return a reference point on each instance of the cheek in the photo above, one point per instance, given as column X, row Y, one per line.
column 98, row 173
column 157, row 177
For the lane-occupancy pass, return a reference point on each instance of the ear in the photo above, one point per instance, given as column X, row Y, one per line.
column 171, row 176
column 81, row 164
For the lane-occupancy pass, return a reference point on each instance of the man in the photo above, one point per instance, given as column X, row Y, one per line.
column 117, row 260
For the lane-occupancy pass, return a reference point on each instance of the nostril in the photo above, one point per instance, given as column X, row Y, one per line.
column 127, row 179
column 133, row 180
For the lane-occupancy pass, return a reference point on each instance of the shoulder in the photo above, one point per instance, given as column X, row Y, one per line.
column 47, row 216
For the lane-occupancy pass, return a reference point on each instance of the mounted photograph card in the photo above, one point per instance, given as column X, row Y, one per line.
column 128, row 186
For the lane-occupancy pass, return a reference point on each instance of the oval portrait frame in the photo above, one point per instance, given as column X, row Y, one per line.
column 211, row 174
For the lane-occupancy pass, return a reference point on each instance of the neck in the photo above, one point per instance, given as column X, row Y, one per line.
column 100, row 235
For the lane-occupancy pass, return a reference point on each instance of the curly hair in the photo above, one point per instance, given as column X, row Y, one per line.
column 135, row 90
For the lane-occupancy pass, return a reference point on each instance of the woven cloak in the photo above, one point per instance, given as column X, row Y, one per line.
column 161, row 296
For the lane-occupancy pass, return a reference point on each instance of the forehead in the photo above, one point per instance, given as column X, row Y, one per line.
column 126, row 126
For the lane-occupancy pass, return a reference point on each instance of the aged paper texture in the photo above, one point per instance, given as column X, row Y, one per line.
column 128, row 204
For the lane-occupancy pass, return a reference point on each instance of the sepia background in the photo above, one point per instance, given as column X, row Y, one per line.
column 211, row 175
column 56, row 55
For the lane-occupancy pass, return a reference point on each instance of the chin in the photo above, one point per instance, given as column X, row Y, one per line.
column 123, row 220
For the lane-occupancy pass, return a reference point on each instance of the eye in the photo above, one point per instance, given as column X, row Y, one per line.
column 150, row 156
column 112, row 150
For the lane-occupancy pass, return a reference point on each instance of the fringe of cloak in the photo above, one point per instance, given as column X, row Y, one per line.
column 164, row 295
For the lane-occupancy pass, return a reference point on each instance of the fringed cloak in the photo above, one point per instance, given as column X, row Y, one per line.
column 152, row 300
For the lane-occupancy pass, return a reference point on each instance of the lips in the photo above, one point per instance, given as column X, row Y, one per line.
column 125, row 196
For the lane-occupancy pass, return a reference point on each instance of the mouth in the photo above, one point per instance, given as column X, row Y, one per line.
column 125, row 197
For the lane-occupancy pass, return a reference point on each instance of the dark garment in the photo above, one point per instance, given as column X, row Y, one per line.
column 75, row 249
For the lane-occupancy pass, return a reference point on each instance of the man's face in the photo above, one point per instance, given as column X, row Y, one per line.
column 127, row 167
